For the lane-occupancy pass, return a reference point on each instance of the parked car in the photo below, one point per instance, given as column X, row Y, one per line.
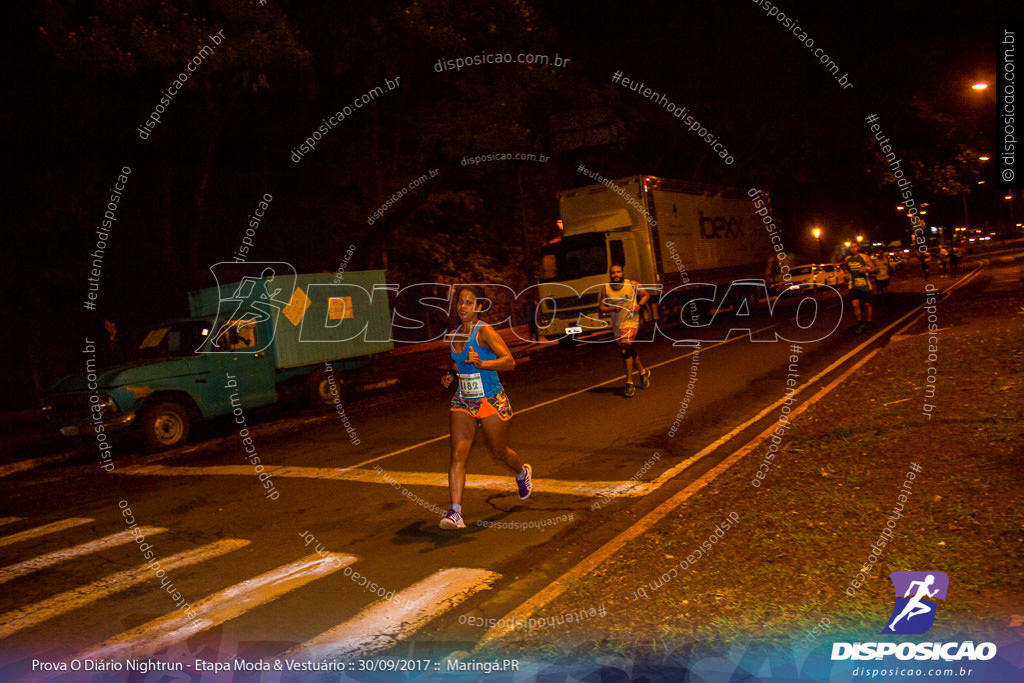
column 804, row 276
column 832, row 274
column 896, row 261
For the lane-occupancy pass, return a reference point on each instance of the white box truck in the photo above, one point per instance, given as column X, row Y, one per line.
column 669, row 235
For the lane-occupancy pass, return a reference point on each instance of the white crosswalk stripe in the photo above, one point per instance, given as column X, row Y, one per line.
column 50, row 559
column 218, row 608
column 620, row 489
column 62, row 603
column 386, row 622
column 44, row 530
column 379, row 626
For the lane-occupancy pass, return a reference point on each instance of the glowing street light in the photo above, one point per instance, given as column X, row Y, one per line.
column 979, row 86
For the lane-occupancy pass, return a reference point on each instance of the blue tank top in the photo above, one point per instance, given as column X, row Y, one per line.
column 474, row 382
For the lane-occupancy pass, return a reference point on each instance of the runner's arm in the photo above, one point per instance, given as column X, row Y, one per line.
column 601, row 305
column 492, row 340
column 642, row 295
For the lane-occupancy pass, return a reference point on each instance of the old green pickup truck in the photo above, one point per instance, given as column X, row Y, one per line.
column 247, row 344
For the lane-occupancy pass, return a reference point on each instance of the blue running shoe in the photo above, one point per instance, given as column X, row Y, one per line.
column 630, row 390
column 645, row 379
column 526, row 483
column 453, row 520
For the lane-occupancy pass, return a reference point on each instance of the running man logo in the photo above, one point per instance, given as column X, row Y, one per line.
column 247, row 297
column 912, row 615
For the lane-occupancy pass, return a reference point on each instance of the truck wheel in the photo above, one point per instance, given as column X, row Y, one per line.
column 164, row 425
column 326, row 388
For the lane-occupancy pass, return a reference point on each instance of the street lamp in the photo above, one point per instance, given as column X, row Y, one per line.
column 979, row 86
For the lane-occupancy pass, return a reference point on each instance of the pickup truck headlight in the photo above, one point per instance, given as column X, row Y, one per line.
column 107, row 405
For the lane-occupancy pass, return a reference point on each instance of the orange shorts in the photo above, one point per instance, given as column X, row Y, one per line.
column 484, row 407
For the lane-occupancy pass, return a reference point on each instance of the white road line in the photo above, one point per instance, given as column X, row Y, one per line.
column 62, row 603
column 43, row 561
column 10, row 520
column 22, row 465
column 545, row 403
column 642, row 526
column 385, row 622
column 628, row 489
column 217, row 608
column 44, row 530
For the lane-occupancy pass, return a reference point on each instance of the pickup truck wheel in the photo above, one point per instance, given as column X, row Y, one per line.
column 164, row 425
column 326, row 388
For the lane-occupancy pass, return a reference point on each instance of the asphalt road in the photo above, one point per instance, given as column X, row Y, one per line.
column 246, row 557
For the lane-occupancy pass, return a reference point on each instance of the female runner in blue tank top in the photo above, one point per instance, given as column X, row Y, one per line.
column 478, row 352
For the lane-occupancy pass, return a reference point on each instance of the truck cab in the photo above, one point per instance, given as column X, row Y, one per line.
column 168, row 384
column 574, row 270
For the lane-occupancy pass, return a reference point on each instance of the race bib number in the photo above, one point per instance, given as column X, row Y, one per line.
column 471, row 386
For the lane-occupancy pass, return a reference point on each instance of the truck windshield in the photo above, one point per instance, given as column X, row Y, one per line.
column 174, row 339
column 574, row 257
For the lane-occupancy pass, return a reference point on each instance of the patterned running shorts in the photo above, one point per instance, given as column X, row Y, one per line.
column 484, row 407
